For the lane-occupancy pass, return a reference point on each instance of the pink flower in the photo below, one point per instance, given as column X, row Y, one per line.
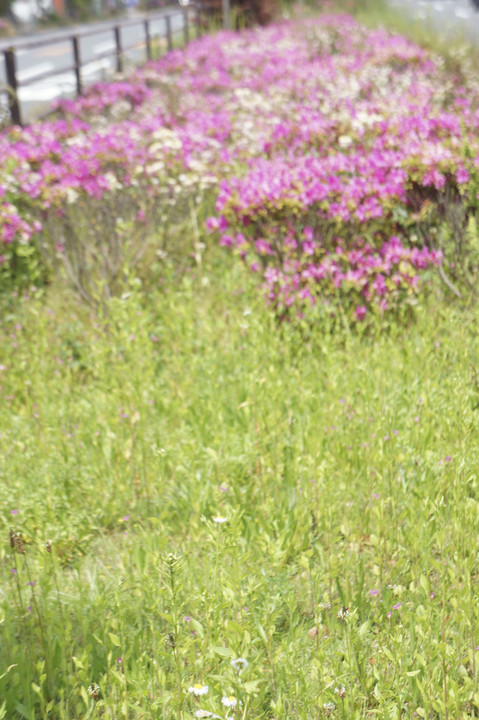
column 360, row 312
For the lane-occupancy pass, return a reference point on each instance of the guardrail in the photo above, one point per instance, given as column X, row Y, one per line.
column 118, row 51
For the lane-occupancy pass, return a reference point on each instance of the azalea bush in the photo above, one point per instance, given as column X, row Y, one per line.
column 334, row 152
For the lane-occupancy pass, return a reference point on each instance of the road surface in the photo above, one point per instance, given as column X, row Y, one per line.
column 35, row 62
column 451, row 18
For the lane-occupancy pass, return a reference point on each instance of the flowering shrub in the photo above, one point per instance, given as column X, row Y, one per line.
column 331, row 148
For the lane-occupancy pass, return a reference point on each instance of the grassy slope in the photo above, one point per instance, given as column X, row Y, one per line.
column 124, row 436
column 294, row 443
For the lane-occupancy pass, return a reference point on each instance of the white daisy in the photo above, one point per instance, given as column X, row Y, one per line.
column 198, row 689
column 230, row 701
column 220, row 520
column 239, row 664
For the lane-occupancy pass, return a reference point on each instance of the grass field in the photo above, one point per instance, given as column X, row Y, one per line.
column 345, row 470
column 210, row 512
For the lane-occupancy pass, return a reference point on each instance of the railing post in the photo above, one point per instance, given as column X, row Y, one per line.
column 225, row 6
column 119, row 51
column 198, row 20
column 169, row 39
column 77, row 61
column 147, row 39
column 186, row 27
column 10, row 68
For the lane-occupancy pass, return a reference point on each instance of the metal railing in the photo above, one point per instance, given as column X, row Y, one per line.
column 14, row 84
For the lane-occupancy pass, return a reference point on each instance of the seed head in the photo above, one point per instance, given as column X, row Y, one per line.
column 170, row 640
column 16, row 542
column 94, row 690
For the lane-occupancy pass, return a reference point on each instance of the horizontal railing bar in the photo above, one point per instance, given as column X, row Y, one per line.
column 72, row 68
column 30, row 45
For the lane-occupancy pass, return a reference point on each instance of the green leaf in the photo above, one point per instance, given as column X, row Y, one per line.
column 114, row 639
column 251, row 687
column 223, row 651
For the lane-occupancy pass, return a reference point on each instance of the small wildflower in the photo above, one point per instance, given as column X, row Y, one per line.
column 205, row 714
column 324, row 606
column 94, row 690
column 374, row 592
column 13, row 512
column 198, row 689
column 343, row 613
column 48, row 546
column 397, row 606
column 239, row 664
column 340, row 691
column 229, row 701
column 328, row 708
column 219, row 520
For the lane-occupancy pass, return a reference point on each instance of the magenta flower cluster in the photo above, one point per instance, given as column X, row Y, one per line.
column 317, row 136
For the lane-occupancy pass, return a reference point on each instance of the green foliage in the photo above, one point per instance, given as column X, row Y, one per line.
column 215, row 487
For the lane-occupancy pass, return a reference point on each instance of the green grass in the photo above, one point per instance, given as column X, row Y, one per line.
column 325, row 454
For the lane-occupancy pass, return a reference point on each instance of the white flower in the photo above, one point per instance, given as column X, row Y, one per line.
column 344, row 141
column 198, row 689
column 230, row 701
column 206, row 713
column 220, row 520
column 71, row 196
column 328, row 708
column 239, row 664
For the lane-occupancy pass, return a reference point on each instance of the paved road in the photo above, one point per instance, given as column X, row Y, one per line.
column 35, row 62
column 449, row 17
